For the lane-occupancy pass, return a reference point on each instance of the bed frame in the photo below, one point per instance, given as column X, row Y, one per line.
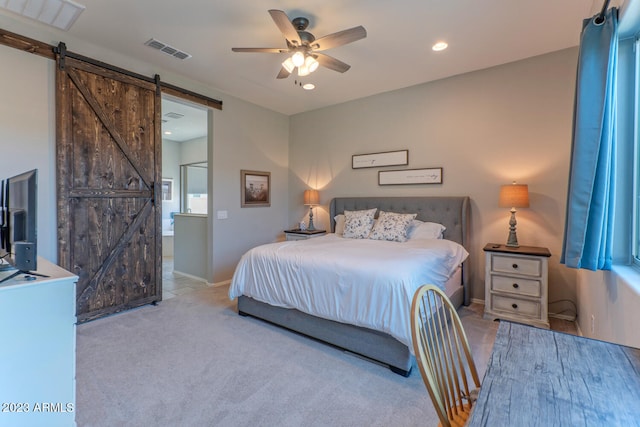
column 452, row 212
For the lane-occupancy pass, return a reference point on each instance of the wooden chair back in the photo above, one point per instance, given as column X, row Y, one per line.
column 443, row 355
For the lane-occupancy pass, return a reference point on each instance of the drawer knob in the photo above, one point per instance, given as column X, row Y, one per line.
column 514, row 306
column 514, row 265
column 516, row 286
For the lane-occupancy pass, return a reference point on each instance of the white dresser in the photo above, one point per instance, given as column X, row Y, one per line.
column 38, row 348
column 516, row 284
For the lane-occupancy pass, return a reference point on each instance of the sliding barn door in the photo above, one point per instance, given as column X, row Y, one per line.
column 108, row 173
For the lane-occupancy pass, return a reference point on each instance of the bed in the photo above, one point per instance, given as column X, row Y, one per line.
column 381, row 341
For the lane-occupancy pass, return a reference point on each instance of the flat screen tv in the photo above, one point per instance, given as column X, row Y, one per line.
column 19, row 221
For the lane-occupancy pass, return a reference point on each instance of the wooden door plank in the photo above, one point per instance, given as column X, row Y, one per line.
column 107, row 264
column 110, row 126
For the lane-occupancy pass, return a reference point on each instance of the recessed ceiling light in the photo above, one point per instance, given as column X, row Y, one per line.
column 167, row 132
column 439, row 46
column 309, row 86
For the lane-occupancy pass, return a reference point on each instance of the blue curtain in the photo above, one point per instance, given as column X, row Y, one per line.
column 588, row 232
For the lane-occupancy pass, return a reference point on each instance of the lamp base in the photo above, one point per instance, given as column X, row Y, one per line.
column 512, row 241
column 311, row 227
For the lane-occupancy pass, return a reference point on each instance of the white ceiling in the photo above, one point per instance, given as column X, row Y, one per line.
column 192, row 124
column 396, row 52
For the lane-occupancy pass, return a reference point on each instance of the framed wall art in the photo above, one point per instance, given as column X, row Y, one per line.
column 167, row 189
column 255, row 188
column 373, row 160
column 410, row 176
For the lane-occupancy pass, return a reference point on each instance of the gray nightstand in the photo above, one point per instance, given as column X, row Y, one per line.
column 297, row 234
column 516, row 284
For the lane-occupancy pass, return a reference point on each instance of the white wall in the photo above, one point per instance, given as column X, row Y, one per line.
column 247, row 137
column 486, row 128
column 609, row 303
column 27, row 133
column 193, row 151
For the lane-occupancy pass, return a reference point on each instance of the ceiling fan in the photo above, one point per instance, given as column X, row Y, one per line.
column 305, row 48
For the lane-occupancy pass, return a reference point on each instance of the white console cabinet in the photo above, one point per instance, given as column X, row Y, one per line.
column 38, row 348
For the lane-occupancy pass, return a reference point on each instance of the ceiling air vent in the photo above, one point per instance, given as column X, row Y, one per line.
column 169, row 50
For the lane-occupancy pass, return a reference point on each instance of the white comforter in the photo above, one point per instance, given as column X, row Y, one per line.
column 363, row 282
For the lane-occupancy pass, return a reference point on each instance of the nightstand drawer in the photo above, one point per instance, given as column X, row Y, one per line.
column 298, row 234
column 511, row 264
column 516, row 285
column 515, row 306
column 290, row 236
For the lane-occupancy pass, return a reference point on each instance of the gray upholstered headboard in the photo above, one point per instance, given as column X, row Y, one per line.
column 452, row 212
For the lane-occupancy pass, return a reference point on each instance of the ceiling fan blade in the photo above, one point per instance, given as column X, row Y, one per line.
column 283, row 74
column 340, row 38
column 259, row 49
column 285, row 26
column 331, row 62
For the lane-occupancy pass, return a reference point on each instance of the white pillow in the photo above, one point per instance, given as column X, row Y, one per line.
column 392, row 226
column 339, row 227
column 357, row 224
column 415, row 223
column 426, row 230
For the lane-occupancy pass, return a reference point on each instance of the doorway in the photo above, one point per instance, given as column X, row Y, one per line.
column 185, row 142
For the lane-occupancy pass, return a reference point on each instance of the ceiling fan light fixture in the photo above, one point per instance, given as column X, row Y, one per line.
column 303, row 70
column 311, row 63
column 302, row 45
column 298, row 59
column 288, row 65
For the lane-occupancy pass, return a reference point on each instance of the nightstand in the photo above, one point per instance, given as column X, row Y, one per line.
column 516, row 284
column 297, row 234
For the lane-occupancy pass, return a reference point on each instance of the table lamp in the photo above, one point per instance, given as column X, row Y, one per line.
column 514, row 196
column 311, row 198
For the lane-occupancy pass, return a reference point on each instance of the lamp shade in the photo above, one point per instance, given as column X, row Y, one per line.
column 311, row 197
column 514, row 196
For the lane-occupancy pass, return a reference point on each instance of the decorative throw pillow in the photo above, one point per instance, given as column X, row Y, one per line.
column 427, row 230
column 392, row 226
column 357, row 224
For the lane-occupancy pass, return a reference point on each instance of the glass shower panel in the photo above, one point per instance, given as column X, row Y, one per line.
column 194, row 188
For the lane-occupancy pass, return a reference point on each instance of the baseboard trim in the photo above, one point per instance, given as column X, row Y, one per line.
column 554, row 315
column 223, row 283
column 191, row 276
column 563, row 317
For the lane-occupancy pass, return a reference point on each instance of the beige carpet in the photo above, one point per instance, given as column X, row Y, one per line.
column 192, row 361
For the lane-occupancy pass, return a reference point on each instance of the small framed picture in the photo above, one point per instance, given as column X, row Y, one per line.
column 167, row 189
column 374, row 160
column 410, row 176
column 255, row 188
